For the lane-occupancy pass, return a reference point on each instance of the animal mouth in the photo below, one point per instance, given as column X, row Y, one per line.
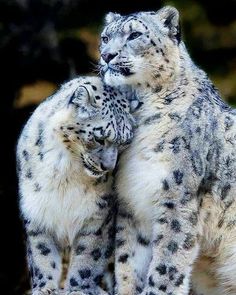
column 91, row 168
column 125, row 71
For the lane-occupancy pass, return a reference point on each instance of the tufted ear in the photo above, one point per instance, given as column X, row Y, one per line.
column 84, row 103
column 110, row 17
column 169, row 16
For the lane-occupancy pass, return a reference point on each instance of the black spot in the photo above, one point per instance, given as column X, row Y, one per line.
column 158, row 239
column 70, row 128
column 151, row 282
column 25, row 155
column 186, row 198
column 123, row 258
column 87, row 286
column 96, row 254
column 172, row 272
column 166, row 186
column 174, row 116
column 178, row 176
column 125, row 215
column 161, row 268
column 162, row 288
column 151, row 293
column 169, row 205
column 49, row 278
column 34, row 285
column 172, row 247
column 44, row 250
column 111, row 267
column 189, row 242
column 29, row 174
column 53, row 264
column 175, row 225
column 98, row 232
column 73, row 282
column 42, row 284
column 141, row 240
column 197, row 163
column 98, row 280
column 152, row 119
column 39, row 141
column 220, row 223
column 85, row 273
column 120, row 243
column 101, row 204
column 94, row 87
column 37, row 187
column 153, row 43
column 139, row 289
column 179, row 281
column 80, row 249
column 225, row 191
column 159, row 147
column 34, row 233
column 41, row 155
column 162, row 220
column 193, row 218
column 175, row 145
column 40, row 276
column 109, row 251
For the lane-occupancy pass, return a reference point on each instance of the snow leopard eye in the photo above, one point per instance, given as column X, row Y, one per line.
column 105, row 39
column 134, row 35
column 99, row 141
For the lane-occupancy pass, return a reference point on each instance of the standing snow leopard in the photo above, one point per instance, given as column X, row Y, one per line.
column 176, row 182
column 65, row 155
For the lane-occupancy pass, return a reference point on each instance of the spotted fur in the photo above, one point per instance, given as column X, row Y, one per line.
column 65, row 155
column 177, row 181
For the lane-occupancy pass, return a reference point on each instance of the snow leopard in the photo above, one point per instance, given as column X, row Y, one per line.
column 66, row 154
column 176, row 182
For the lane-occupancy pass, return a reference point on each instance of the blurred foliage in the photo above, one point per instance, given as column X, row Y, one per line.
column 45, row 42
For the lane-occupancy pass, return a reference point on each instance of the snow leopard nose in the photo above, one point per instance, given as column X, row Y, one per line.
column 107, row 57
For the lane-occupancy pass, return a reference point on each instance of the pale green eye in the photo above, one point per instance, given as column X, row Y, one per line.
column 134, row 35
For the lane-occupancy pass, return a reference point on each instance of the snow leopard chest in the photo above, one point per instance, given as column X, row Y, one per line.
column 62, row 206
column 140, row 175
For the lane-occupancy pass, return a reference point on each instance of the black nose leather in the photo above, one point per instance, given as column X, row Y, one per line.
column 107, row 57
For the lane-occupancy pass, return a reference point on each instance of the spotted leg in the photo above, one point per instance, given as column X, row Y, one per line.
column 132, row 253
column 44, row 261
column 175, row 228
column 91, row 250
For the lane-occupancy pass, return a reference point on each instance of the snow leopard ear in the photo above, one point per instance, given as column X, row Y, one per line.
column 84, row 103
column 110, row 17
column 169, row 16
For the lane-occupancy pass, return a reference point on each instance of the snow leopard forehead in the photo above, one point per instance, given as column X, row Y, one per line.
column 163, row 21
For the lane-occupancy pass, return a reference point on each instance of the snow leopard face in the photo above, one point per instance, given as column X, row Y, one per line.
column 103, row 123
column 140, row 47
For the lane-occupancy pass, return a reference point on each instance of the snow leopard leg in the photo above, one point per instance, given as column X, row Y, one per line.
column 175, row 245
column 44, row 261
column 91, row 251
column 132, row 253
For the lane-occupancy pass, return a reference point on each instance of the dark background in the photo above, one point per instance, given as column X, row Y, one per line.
column 43, row 43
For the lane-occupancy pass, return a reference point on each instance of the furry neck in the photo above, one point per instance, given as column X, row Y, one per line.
column 186, row 76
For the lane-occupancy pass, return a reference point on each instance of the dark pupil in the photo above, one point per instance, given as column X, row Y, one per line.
column 105, row 39
column 100, row 141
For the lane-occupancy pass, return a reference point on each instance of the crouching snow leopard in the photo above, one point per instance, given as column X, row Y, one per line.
column 65, row 155
column 176, row 182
